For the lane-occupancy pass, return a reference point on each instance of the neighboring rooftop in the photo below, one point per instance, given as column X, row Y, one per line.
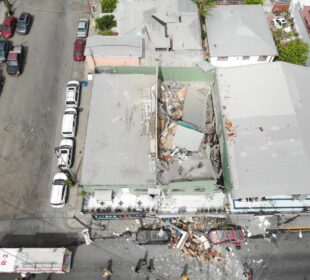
column 120, row 146
column 114, row 46
column 265, row 114
column 239, row 30
column 173, row 23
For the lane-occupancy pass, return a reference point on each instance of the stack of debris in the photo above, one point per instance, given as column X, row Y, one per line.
column 172, row 97
column 191, row 239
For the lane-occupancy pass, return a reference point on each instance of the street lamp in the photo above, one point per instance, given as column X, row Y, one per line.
column 72, row 175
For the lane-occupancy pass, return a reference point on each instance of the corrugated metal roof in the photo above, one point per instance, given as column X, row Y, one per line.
column 239, row 30
column 266, row 110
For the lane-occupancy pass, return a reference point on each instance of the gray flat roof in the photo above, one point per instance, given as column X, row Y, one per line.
column 268, row 109
column 114, row 45
column 239, row 30
column 120, row 132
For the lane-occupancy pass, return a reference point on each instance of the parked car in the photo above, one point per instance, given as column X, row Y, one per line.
column 65, row 159
column 5, row 47
column 15, row 61
column 279, row 22
column 153, row 236
column 59, row 190
column 23, row 23
column 82, row 27
column 8, row 26
column 79, row 47
column 69, row 123
column 226, row 236
column 73, row 94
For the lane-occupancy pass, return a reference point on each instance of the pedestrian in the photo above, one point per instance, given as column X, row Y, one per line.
column 106, row 272
column 151, row 267
column 144, row 260
column 138, row 266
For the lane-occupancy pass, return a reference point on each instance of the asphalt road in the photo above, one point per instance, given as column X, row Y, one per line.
column 31, row 108
column 285, row 258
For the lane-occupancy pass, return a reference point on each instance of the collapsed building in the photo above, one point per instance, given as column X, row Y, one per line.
column 150, row 148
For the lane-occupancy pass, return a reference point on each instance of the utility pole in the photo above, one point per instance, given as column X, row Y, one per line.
column 72, row 175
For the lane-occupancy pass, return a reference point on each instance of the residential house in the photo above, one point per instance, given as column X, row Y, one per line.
column 262, row 114
column 239, row 35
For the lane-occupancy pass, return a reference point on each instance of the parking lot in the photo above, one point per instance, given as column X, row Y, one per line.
column 31, row 109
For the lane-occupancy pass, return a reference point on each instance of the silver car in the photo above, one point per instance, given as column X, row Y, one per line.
column 82, row 27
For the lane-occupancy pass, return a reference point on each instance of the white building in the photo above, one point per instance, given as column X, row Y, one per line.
column 239, row 35
column 262, row 118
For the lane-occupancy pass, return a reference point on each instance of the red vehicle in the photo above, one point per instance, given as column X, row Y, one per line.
column 79, row 47
column 8, row 26
column 234, row 236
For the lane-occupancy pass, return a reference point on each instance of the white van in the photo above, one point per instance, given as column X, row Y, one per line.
column 73, row 94
column 59, row 190
column 69, row 123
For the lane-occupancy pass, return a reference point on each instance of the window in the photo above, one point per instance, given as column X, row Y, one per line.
column 222, row 58
column 262, row 58
column 245, row 57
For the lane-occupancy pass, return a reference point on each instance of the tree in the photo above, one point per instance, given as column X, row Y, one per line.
column 108, row 6
column 257, row 2
column 294, row 51
column 105, row 23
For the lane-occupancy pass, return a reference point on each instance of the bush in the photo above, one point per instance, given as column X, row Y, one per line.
column 106, row 33
column 108, row 6
column 250, row 2
column 105, row 23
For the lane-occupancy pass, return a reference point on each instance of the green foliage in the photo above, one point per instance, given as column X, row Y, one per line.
column 106, row 32
column 69, row 182
column 106, row 22
column 290, row 48
column 257, row 2
column 83, row 193
column 295, row 51
column 108, row 6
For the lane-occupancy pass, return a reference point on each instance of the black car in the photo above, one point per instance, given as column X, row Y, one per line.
column 23, row 23
column 5, row 47
column 15, row 61
column 153, row 236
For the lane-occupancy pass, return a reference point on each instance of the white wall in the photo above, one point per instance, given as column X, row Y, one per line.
column 238, row 61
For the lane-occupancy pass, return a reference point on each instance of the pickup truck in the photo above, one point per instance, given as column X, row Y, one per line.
column 15, row 61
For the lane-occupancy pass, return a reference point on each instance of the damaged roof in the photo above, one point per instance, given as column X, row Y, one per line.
column 120, row 144
column 234, row 30
column 266, row 112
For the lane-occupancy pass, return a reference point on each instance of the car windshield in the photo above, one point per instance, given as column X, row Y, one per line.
column 21, row 24
column 70, row 102
column 59, row 182
column 78, row 53
column 12, row 63
column 6, row 27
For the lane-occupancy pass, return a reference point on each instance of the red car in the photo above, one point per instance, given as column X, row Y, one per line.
column 226, row 236
column 8, row 26
column 79, row 47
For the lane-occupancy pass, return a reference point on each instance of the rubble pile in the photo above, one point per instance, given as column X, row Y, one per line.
column 191, row 238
